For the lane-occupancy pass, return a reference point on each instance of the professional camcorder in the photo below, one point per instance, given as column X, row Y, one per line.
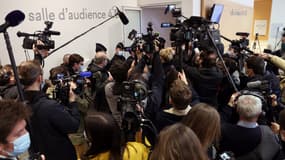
column 145, row 42
column 43, row 36
column 194, row 30
column 134, row 95
column 62, row 86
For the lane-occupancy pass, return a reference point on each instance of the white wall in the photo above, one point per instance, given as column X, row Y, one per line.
column 277, row 22
column 156, row 16
column 108, row 34
column 189, row 7
column 130, row 3
column 248, row 3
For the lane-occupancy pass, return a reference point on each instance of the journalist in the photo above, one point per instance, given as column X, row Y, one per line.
column 51, row 122
column 8, row 88
column 206, row 78
column 246, row 138
column 100, row 77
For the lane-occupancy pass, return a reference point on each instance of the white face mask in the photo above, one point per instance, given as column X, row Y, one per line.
column 121, row 53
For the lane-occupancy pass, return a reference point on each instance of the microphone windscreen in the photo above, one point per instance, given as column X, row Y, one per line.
column 123, row 17
column 254, row 84
column 15, row 17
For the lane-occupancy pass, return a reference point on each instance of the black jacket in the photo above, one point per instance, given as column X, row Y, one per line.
column 98, row 81
column 206, row 82
column 164, row 119
column 9, row 92
column 50, row 125
column 239, row 140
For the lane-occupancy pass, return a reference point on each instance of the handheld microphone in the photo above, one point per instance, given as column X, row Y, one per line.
column 122, row 16
column 12, row 19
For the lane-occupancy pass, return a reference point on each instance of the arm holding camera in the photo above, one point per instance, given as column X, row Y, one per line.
column 228, row 111
column 39, row 52
column 277, row 61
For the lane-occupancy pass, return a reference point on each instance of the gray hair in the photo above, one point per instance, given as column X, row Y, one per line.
column 249, row 106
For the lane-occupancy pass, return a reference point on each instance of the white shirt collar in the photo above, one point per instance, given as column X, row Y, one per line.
column 247, row 124
column 178, row 112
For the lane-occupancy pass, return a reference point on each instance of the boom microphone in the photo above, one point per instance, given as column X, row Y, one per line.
column 122, row 16
column 12, row 19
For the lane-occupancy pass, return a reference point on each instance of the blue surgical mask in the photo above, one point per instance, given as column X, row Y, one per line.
column 81, row 68
column 21, row 145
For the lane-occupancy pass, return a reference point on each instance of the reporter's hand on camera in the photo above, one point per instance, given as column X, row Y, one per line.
column 263, row 55
column 72, row 95
column 232, row 101
column 275, row 127
column 43, row 52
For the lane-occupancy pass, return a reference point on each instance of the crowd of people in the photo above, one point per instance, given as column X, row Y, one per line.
column 145, row 106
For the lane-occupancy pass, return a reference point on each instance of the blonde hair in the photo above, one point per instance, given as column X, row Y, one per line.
column 166, row 54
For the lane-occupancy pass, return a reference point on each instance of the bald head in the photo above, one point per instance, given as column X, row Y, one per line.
column 100, row 57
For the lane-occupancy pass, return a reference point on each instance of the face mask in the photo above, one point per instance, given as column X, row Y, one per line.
column 283, row 47
column 81, row 68
column 120, row 53
column 21, row 145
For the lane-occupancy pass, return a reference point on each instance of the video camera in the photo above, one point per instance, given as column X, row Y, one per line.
column 62, row 86
column 133, row 95
column 193, row 29
column 43, row 36
column 145, row 42
column 5, row 76
column 242, row 43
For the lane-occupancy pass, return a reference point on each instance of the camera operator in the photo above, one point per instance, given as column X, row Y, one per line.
column 114, row 89
column 206, row 78
column 8, row 88
column 246, row 138
column 51, row 122
column 269, row 84
column 75, row 64
column 100, row 77
column 119, row 53
column 40, row 51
